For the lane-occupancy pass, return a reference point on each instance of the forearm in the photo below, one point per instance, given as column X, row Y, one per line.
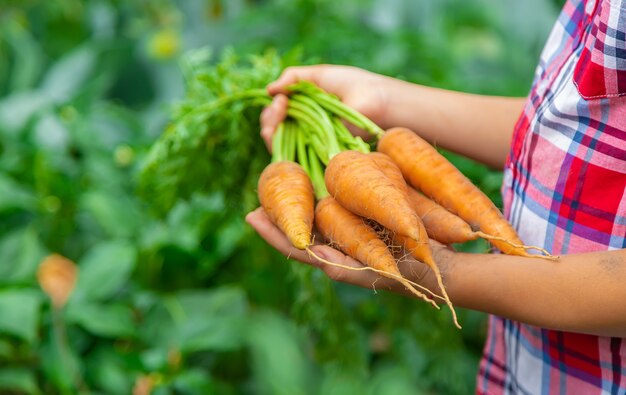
column 583, row 293
column 476, row 126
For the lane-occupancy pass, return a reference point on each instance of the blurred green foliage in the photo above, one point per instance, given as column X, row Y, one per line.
column 196, row 303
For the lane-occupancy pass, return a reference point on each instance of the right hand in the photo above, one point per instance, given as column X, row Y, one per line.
column 362, row 90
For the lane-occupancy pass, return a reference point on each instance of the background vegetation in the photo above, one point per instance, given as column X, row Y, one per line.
column 196, row 303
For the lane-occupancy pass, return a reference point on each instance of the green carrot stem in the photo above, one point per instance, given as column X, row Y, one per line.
column 316, row 121
column 286, row 140
column 338, row 108
column 290, row 141
column 320, row 148
column 332, row 104
column 343, row 134
column 346, row 138
column 313, row 108
column 258, row 96
column 317, row 174
column 293, row 141
column 278, row 146
column 313, row 128
column 301, row 151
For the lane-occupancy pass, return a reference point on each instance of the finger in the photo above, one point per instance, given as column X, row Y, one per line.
column 271, row 117
column 340, row 270
column 259, row 220
column 291, row 75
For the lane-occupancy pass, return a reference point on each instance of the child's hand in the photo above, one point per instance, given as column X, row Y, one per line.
column 410, row 268
column 360, row 89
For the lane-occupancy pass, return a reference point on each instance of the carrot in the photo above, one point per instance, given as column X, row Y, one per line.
column 427, row 170
column 358, row 184
column 391, row 170
column 441, row 224
column 286, row 194
column 420, row 251
column 353, row 236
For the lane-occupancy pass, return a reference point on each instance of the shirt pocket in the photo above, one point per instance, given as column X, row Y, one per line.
column 600, row 71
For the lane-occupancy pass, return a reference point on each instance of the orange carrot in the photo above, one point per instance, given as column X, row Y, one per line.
column 358, row 184
column 391, row 170
column 286, row 195
column 441, row 224
column 420, row 247
column 420, row 251
column 353, row 236
column 427, row 170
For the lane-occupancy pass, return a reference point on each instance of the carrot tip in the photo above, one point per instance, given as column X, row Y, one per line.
column 433, row 266
column 546, row 254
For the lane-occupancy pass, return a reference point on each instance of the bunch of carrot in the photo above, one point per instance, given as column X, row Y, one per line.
column 359, row 192
column 365, row 203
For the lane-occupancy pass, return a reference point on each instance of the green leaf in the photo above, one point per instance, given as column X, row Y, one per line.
column 18, row 380
column 194, row 382
column 16, row 110
column 392, row 380
column 6, row 349
column 187, row 222
column 50, row 133
column 213, row 129
column 154, row 359
column 20, row 255
column 14, row 195
column 116, row 214
column 105, row 269
column 337, row 382
column 28, row 56
column 110, row 320
column 20, row 313
column 60, row 364
column 199, row 320
column 108, row 370
column 66, row 77
column 280, row 365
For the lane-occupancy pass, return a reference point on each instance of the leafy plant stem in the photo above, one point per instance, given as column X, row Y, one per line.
column 316, row 174
column 60, row 339
column 278, row 146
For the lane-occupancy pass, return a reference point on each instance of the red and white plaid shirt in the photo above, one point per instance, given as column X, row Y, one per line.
column 564, row 189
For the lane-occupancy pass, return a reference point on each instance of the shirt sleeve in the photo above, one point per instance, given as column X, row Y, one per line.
column 601, row 69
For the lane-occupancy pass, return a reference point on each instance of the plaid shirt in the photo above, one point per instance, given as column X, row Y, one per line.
column 564, row 189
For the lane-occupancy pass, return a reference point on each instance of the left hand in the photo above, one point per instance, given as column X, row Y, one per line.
column 409, row 267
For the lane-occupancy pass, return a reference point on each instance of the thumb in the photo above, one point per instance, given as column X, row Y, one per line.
column 271, row 117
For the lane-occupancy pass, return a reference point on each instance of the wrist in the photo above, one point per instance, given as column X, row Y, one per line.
column 399, row 102
column 381, row 87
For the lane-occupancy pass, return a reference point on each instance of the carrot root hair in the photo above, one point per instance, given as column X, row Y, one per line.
column 446, row 298
column 410, row 285
column 546, row 254
column 430, row 264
